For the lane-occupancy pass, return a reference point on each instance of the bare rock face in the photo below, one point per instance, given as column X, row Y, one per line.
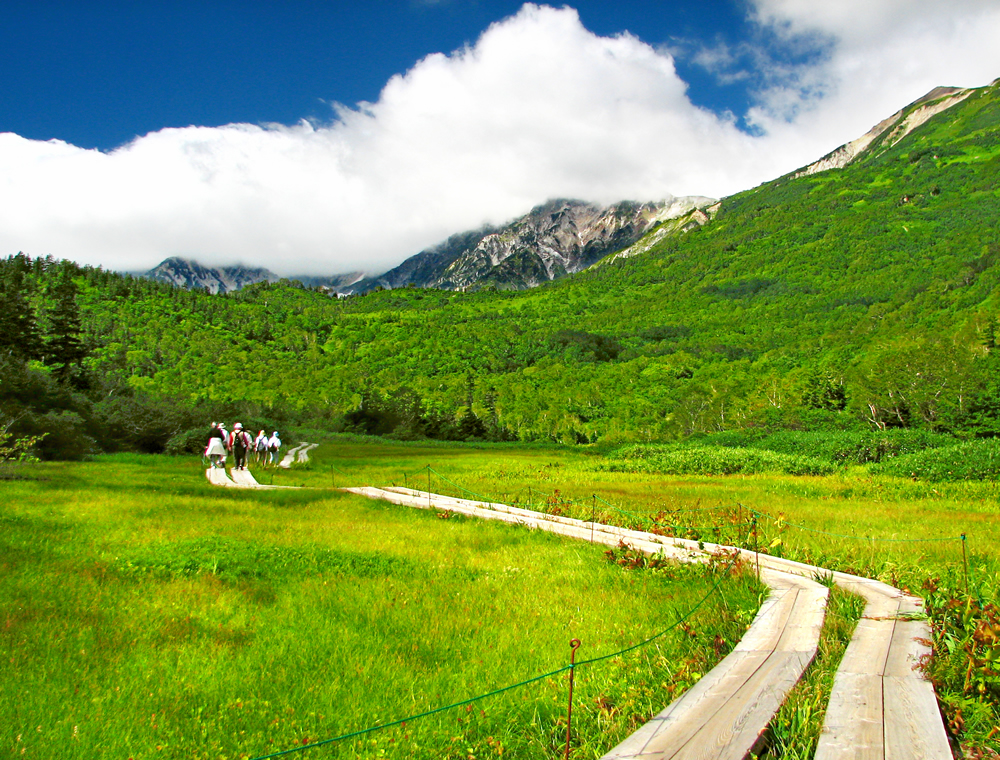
column 555, row 239
column 193, row 276
column 895, row 128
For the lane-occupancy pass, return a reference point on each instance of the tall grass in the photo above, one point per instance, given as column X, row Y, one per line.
column 904, row 531
column 147, row 614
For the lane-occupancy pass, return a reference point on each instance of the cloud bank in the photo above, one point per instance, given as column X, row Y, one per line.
column 538, row 108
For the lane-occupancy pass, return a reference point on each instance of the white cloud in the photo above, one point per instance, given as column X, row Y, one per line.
column 538, row 108
column 878, row 57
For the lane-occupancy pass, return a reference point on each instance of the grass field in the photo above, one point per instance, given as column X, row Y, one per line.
column 146, row 614
column 904, row 531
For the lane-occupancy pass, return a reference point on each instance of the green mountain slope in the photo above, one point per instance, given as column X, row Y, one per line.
column 860, row 296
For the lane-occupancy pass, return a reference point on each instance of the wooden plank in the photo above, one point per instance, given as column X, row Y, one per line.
column 802, row 633
column 913, row 726
column 244, row 478
column 910, row 640
column 686, row 716
column 869, row 646
column 852, row 729
column 771, row 620
column 217, row 477
column 735, row 729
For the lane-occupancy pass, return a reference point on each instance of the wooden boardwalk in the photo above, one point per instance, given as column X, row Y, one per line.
column 298, row 454
column 880, row 707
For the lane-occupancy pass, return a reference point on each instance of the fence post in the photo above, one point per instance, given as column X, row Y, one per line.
column 574, row 645
column 756, row 548
column 965, row 563
column 593, row 516
column 428, row 485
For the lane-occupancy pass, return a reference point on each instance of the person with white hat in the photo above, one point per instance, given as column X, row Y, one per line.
column 273, row 445
column 239, row 442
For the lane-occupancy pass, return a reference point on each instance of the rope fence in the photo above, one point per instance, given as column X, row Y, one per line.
column 556, row 499
column 592, row 661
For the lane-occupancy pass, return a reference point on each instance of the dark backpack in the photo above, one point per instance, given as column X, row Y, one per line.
column 240, row 441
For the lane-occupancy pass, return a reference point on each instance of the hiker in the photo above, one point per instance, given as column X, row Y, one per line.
column 273, row 444
column 260, row 446
column 239, row 442
column 216, row 449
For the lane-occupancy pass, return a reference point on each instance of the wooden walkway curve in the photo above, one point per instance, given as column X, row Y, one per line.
column 298, row 454
column 881, row 708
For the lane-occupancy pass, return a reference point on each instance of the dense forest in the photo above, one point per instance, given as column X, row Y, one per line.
column 852, row 299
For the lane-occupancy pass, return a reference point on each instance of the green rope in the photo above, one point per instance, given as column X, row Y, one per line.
column 371, row 729
column 669, row 628
column 503, row 689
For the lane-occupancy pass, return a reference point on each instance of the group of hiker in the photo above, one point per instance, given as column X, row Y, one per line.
column 241, row 444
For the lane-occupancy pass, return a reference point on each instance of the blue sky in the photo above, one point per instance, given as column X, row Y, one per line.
column 327, row 137
column 98, row 74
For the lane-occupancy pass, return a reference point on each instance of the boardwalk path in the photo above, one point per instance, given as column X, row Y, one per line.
column 299, row 454
column 880, row 708
column 218, row 476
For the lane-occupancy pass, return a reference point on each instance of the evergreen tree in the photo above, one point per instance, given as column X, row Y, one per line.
column 19, row 334
column 63, row 348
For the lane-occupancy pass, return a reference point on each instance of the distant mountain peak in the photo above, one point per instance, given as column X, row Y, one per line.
column 189, row 274
column 556, row 238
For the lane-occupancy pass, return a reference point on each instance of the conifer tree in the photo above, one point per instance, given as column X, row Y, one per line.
column 63, row 348
column 19, row 334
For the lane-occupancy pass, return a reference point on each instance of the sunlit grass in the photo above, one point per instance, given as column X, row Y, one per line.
column 148, row 614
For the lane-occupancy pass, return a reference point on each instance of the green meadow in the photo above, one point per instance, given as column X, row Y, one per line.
column 148, row 614
column 861, row 518
column 144, row 614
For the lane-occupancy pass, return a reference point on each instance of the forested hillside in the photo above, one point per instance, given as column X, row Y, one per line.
column 865, row 296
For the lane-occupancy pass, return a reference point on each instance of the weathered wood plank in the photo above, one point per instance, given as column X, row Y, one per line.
column 217, row 477
column 913, row 727
column 910, row 641
column 735, row 728
column 244, row 478
column 853, row 726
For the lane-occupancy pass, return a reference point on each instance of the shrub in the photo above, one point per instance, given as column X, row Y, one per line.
column 853, row 447
column 713, row 460
column 972, row 460
column 191, row 441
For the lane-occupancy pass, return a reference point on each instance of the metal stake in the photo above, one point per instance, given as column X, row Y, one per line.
column 965, row 562
column 574, row 645
column 593, row 516
column 756, row 550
